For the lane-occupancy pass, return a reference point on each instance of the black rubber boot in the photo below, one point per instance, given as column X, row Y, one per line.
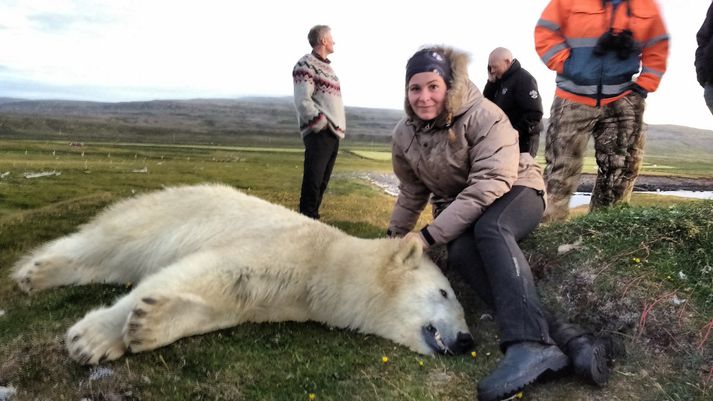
column 523, row 363
column 589, row 356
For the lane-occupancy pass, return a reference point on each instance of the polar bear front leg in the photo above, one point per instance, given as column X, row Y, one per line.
column 98, row 337
column 160, row 319
column 190, row 297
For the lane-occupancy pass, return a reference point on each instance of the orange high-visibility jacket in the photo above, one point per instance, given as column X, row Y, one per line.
column 566, row 37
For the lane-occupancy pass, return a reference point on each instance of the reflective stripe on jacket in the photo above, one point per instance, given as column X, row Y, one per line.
column 567, row 34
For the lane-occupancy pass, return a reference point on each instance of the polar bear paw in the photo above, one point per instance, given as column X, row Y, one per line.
column 93, row 340
column 40, row 274
column 146, row 326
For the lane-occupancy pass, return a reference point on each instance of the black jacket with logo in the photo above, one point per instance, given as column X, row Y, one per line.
column 704, row 52
column 517, row 95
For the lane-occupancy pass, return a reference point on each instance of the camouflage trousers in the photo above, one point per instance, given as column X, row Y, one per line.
column 619, row 136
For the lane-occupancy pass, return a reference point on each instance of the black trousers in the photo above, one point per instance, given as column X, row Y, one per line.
column 321, row 150
column 490, row 259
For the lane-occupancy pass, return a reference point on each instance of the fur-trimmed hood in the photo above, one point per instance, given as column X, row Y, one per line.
column 457, row 98
column 462, row 162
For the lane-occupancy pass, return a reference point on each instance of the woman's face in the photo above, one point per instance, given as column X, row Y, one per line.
column 427, row 95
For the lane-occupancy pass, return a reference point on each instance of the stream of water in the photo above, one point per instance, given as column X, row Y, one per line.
column 582, row 198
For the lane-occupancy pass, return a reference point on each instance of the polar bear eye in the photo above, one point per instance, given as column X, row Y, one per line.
column 444, row 293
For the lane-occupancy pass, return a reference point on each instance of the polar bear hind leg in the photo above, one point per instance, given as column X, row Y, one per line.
column 75, row 259
column 34, row 274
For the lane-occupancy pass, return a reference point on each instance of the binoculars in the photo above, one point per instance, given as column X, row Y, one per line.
column 621, row 43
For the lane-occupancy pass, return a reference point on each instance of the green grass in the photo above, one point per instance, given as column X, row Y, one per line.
column 681, row 165
column 629, row 264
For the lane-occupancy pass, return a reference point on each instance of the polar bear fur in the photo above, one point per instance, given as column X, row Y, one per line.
column 209, row 257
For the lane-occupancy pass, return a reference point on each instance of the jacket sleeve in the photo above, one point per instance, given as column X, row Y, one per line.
column 489, row 90
column 550, row 43
column 704, row 52
column 529, row 101
column 311, row 118
column 413, row 194
column 494, row 158
column 654, row 55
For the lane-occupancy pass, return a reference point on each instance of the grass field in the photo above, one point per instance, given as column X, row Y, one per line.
column 642, row 273
column 680, row 165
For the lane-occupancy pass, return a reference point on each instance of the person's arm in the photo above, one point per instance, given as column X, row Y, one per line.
column 529, row 102
column 493, row 169
column 654, row 56
column 412, row 198
column 311, row 117
column 489, row 90
column 550, row 43
column 704, row 52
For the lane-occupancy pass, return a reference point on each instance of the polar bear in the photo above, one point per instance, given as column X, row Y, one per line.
column 208, row 257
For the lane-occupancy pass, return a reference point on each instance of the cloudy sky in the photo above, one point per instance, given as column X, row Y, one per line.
column 110, row 50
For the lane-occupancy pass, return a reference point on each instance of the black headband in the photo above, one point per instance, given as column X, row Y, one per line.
column 429, row 60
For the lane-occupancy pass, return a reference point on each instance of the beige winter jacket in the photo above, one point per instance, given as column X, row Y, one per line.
column 464, row 160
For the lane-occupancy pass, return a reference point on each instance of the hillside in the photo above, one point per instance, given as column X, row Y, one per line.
column 231, row 121
column 217, row 121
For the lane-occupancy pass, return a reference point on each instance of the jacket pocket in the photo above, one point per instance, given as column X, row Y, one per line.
column 586, row 21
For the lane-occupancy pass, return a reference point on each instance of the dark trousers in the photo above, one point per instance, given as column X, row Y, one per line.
column 321, row 150
column 490, row 260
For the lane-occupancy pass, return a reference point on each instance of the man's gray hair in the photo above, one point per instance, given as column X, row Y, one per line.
column 316, row 34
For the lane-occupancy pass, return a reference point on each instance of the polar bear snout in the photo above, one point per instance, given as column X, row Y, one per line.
column 464, row 343
column 442, row 343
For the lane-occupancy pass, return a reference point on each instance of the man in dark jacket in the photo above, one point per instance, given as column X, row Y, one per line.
column 514, row 90
column 704, row 57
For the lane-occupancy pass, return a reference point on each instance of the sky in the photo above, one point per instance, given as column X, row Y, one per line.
column 108, row 50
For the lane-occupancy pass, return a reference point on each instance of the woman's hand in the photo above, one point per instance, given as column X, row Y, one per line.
column 410, row 236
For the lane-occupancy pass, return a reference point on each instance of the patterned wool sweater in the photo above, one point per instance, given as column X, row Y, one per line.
column 318, row 97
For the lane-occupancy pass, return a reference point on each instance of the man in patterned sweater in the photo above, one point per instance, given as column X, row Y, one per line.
column 321, row 117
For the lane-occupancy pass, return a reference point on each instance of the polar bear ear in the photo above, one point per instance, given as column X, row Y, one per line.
column 410, row 253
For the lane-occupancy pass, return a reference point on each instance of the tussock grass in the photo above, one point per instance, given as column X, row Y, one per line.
column 601, row 285
column 645, row 275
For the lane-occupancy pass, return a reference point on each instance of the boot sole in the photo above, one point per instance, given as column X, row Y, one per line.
column 594, row 367
column 550, row 366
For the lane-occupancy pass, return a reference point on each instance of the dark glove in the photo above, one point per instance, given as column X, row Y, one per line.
column 534, row 145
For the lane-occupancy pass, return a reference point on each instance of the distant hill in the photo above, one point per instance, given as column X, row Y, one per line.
column 9, row 100
column 223, row 121
column 233, row 121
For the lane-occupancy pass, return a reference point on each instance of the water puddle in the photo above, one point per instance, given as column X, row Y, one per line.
column 582, row 198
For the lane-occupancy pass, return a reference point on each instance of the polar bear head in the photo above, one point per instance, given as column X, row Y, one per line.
column 421, row 305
